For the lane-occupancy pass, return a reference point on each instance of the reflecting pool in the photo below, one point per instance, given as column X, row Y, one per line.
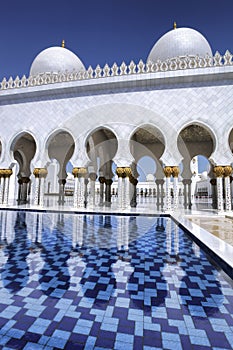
column 75, row 281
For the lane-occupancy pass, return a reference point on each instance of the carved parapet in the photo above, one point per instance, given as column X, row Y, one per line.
column 5, row 172
column 177, row 63
column 79, row 172
column 168, row 171
column 40, row 172
column 219, row 171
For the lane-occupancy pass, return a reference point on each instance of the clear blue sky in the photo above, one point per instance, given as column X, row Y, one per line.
column 103, row 31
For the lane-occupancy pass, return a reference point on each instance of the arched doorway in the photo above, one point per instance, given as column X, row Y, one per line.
column 147, row 141
column 60, row 146
column 101, row 146
column 24, row 149
column 194, row 140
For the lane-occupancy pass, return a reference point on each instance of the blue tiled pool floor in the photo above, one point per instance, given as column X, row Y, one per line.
column 103, row 282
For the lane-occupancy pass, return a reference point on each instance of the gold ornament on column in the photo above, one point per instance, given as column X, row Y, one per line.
column 120, row 172
column 79, row 172
column 175, row 171
column 40, row 172
column 227, row 170
column 167, row 171
column 5, row 172
column 128, row 171
column 219, row 171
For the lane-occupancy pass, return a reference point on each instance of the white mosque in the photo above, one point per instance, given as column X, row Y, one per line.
column 103, row 120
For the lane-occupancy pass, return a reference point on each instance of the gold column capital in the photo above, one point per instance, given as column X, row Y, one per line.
column 128, row 171
column 175, row 171
column 40, row 172
column 5, row 172
column 167, row 171
column 79, row 172
column 120, row 172
column 227, row 170
column 124, row 172
column 219, row 171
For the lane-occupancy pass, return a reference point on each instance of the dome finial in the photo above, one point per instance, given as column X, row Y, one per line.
column 63, row 43
column 174, row 25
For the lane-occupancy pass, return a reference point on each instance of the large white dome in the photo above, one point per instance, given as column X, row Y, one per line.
column 178, row 43
column 55, row 59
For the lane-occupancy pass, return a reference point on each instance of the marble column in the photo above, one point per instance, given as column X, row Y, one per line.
column 168, row 172
column 133, row 191
column 124, row 199
column 92, row 177
column 102, row 182
column 40, row 175
column 61, row 198
column 213, row 183
column 159, row 194
column 1, row 187
column 79, row 189
column 219, row 173
column 187, row 193
column 23, row 185
column 120, row 173
column 108, row 195
column 127, row 197
column 4, row 185
column 175, row 174
column 227, row 186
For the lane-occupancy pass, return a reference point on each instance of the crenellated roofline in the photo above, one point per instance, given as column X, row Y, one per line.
column 174, row 64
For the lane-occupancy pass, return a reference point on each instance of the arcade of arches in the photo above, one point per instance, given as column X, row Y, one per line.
column 101, row 147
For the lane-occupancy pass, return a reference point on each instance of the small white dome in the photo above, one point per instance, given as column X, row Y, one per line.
column 204, row 175
column 150, row 178
column 55, row 59
column 179, row 43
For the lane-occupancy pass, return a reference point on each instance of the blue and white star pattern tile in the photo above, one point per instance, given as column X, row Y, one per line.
column 72, row 281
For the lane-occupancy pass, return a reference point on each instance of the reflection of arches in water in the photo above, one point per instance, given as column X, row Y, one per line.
column 146, row 285
column 194, row 277
column 55, row 251
column 15, row 273
column 200, row 288
column 98, row 281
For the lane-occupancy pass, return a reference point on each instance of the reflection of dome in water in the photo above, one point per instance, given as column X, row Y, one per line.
column 55, row 59
column 179, row 43
column 150, row 178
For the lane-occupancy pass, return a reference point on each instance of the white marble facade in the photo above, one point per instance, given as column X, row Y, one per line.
column 171, row 110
